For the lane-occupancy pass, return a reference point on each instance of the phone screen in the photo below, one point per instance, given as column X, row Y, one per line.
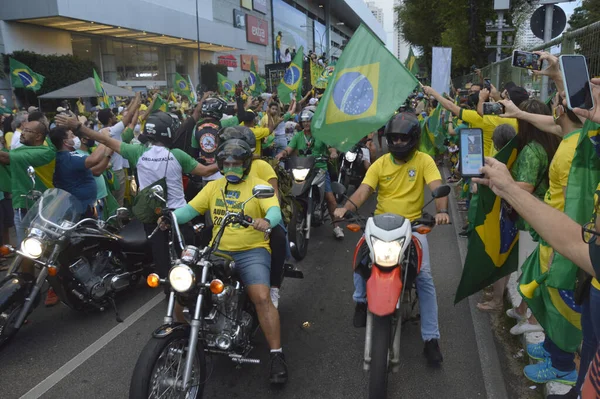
column 471, row 152
column 493, row 109
column 577, row 83
column 527, row 60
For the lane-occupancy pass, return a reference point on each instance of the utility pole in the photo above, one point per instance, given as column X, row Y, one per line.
column 547, row 37
column 198, row 42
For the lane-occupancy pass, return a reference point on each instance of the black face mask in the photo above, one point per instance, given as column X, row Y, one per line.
column 90, row 143
column 594, row 250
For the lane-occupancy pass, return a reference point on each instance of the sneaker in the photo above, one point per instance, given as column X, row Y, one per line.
column 360, row 315
column 338, row 232
column 537, row 351
column 525, row 327
column 572, row 394
column 512, row 313
column 275, row 297
column 279, row 372
column 51, row 298
column 432, row 352
column 543, row 372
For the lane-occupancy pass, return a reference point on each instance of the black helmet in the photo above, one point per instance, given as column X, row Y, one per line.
column 306, row 115
column 160, row 127
column 403, row 124
column 176, row 121
column 234, row 150
column 238, row 132
column 213, row 108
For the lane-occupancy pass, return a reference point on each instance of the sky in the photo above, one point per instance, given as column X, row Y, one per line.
column 388, row 17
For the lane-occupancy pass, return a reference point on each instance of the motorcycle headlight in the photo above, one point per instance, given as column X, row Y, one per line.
column 32, row 247
column 181, row 278
column 351, row 156
column 300, row 174
column 387, row 253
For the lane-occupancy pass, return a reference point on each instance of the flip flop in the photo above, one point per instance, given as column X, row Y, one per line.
column 486, row 307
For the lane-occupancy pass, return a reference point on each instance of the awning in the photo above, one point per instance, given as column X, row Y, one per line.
column 86, row 88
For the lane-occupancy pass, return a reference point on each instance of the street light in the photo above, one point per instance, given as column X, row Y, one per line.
column 317, row 32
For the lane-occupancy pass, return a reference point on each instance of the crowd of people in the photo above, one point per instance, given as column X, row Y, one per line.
column 103, row 157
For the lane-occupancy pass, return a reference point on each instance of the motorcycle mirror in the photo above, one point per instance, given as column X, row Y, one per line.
column 338, row 188
column 263, row 191
column 122, row 213
column 441, row 191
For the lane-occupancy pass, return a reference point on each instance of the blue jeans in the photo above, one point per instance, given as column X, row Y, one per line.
column 253, row 266
column 277, row 55
column 561, row 360
column 20, row 228
column 590, row 327
column 425, row 291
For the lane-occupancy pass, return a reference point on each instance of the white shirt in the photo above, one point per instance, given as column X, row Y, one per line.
column 152, row 166
column 118, row 163
column 16, row 140
column 366, row 154
column 287, row 58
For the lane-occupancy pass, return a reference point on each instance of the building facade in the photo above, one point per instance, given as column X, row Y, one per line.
column 401, row 48
column 377, row 11
column 143, row 43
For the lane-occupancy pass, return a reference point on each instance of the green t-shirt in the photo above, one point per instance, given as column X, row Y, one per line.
column 42, row 158
column 101, row 190
column 5, row 181
column 127, row 135
column 301, row 143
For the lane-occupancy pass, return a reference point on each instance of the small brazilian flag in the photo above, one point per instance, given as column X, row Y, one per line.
column 225, row 85
column 368, row 85
column 411, row 63
column 159, row 105
column 182, row 86
column 103, row 99
column 492, row 249
column 22, row 76
column 253, row 80
column 292, row 80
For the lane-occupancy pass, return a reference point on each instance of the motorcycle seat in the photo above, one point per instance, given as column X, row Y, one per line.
column 133, row 237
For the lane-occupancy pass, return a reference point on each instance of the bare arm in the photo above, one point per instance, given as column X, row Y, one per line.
column 133, row 106
column 287, row 151
column 97, row 156
column 275, row 184
column 362, row 193
column 203, row 170
column 543, row 122
column 73, row 124
column 4, row 158
column 484, row 95
column 449, row 105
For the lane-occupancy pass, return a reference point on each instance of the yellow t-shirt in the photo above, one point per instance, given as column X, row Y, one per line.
column 260, row 133
column 558, row 172
column 262, row 170
column 401, row 187
column 487, row 124
column 8, row 138
column 236, row 237
column 278, row 41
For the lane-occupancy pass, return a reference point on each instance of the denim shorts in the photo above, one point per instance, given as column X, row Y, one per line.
column 253, row 266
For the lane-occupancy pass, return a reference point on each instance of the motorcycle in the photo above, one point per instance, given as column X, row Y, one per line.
column 309, row 207
column 390, row 262
column 352, row 170
column 85, row 261
column 222, row 319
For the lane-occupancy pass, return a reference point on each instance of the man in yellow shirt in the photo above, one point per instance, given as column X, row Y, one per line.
column 400, row 178
column 249, row 247
column 278, row 47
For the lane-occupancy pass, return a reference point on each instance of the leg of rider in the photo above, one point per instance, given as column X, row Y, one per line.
column 360, row 289
column 160, row 249
column 278, row 251
column 331, row 204
column 427, row 296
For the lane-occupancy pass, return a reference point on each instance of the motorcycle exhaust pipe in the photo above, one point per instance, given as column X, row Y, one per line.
column 368, row 341
column 120, row 281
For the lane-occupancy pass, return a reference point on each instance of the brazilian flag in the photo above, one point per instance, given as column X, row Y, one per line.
column 427, row 140
column 548, row 280
column 226, row 86
column 103, row 99
column 292, row 79
column 411, row 63
column 367, row 87
column 492, row 248
column 182, row 86
column 159, row 105
column 254, row 80
column 323, row 80
column 22, row 76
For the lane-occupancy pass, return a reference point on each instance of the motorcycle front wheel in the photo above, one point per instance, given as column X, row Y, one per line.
column 296, row 232
column 380, row 347
column 159, row 369
column 8, row 318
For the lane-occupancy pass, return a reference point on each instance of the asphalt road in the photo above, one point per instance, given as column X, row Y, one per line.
column 325, row 359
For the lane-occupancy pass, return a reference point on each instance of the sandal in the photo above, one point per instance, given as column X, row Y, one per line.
column 486, row 307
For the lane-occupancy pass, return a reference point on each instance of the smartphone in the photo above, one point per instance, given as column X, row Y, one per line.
column 487, row 83
column 527, row 60
column 471, row 152
column 577, row 83
column 493, row 109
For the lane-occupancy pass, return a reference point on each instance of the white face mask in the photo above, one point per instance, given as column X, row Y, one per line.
column 4, row 101
column 76, row 143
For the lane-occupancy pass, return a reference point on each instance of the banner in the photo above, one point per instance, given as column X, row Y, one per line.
column 440, row 69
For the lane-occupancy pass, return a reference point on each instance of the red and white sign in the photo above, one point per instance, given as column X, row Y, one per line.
column 257, row 30
column 246, row 60
column 260, row 6
column 227, row 60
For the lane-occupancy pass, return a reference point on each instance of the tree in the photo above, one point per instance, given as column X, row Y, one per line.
column 588, row 13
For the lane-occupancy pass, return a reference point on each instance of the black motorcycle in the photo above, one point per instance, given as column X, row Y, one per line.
column 309, row 207
column 222, row 319
column 85, row 261
column 352, row 170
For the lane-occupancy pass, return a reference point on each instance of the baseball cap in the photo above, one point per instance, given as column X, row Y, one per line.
column 517, row 94
column 32, row 109
column 60, row 109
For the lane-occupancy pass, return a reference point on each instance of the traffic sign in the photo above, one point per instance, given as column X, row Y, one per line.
column 559, row 21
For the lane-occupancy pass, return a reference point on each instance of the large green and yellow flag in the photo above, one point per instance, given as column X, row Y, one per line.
column 368, row 85
column 159, row 105
column 182, row 86
column 226, row 86
column 323, row 80
column 22, row 76
column 253, row 80
column 292, row 79
column 316, row 71
column 492, row 249
column 103, row 99
column 548, row 280
column 411, row 63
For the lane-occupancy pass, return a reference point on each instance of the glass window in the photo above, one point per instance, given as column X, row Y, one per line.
column 136, row 61
column 82, row 46
column 293, row 25
column 179, row 57
column 320, row 38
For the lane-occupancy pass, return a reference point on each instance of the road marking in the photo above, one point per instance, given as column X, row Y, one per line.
column 91, row 350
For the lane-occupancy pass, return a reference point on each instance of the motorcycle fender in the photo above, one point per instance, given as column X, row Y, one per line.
column 357, row 252
column 298, row 189
column 383, row 291
column 14, row 288
column 419, row 248
column 167, row 329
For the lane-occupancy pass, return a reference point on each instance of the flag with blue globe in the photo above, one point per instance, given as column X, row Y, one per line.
column 292, row 79
column 226, row 86
column 22, row 76
column 364, row 91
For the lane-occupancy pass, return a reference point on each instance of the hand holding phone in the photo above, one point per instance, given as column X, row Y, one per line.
column 578, row 89
column 493, row 109
column 471, row 152
column 526, row 60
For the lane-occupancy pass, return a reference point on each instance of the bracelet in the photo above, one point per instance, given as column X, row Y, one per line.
column 443, row 211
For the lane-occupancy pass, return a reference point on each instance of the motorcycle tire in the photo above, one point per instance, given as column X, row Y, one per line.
column 146, row 366
column 8, row 317
column 380, row 348
column 296, row 233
